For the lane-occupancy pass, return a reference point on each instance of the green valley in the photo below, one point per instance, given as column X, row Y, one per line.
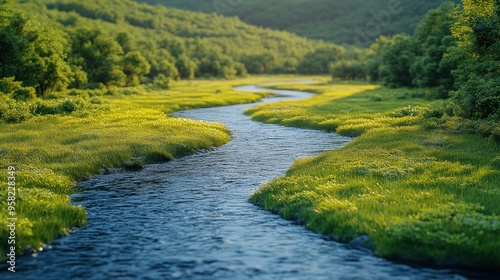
column 90, row 88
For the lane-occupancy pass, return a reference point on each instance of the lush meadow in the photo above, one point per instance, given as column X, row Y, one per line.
column 419, row 187
column 110, row 128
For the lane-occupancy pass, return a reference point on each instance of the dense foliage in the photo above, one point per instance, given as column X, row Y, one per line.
column 419, row 60
column 453, row 51
column 32, row 51
column 52, row 45
column 98, row 44
column 195, row 44
column 339, row 21
column 478, row 58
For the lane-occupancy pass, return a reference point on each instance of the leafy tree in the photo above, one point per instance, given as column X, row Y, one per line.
column 261, row 63
column 164, row 65
column 239, row 47
column 397, row 56
column 32, row 51
column 317, row 62
column 175, row 46
column 186, row 67
column 289, row 65
column 240, row 68
column 478, row 55
column 373, row 66
column 135, row 68
column 352, row 66
column 126, row 41
column 348, row 70
column 80, row 78
column 433, row 38
column 161, row 82
column 218, row 65
column 99, row 55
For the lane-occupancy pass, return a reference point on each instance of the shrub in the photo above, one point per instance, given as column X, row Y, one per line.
column 478, row 98
column 158, row 157
column 161, row 82
column 17, row 113
column 437, row 110
column 16, row 90
column 71, row 105
column 45, row 108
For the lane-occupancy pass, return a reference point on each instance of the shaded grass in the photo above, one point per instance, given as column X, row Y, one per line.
column 427, row 195
column 51, row 153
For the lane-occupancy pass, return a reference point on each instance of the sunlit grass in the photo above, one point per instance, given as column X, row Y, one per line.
column 52, row 152
column 420, row 194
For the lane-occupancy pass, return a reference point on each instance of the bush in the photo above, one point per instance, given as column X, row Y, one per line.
column 437, row 110
column 54, row 107
column 348, row 70
column 71, row 105
column 81, row 93
column 25, row 93
column 12, row 111
column 16, row 90
column 478, row 98
column 17, row 114
column 45, row 108
column 161, row 82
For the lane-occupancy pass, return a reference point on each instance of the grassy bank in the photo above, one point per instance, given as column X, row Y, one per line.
column 51, row 152
column 421, row 192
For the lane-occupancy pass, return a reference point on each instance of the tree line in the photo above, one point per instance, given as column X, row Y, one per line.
column 96, row 44
column 67, row 44
column 454, row 50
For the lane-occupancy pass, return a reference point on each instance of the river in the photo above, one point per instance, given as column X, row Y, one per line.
column 191, row 219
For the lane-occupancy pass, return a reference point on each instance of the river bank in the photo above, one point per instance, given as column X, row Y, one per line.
column 421, row 192
column 190, row 218
column 51, row 153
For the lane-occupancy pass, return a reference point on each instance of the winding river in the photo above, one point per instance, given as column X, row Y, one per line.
column 191, row 219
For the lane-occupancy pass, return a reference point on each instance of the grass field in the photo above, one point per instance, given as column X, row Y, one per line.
column 51, row 152
column 421, row 192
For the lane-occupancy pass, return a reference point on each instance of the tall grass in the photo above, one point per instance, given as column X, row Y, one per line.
column 421, row 194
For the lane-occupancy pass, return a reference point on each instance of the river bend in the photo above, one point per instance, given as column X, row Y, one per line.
column 191, row 219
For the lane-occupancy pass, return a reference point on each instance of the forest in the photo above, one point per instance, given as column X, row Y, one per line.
column 92, row 45
column 329, row 20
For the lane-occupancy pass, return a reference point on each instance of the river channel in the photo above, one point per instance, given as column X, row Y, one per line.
column 191, row 219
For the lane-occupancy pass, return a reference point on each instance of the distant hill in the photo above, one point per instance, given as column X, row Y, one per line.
column 182, row 38
column 338, row 21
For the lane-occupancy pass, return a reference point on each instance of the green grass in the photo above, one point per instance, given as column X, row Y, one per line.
column 121, row 128
column 421, row 194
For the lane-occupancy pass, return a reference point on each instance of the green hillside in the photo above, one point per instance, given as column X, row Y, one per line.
column 197, row 44
column 332, row 20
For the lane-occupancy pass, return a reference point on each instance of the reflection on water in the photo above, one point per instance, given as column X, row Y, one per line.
column 190, row 218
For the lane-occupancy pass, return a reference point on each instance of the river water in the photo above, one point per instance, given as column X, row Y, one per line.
column 191, row 219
